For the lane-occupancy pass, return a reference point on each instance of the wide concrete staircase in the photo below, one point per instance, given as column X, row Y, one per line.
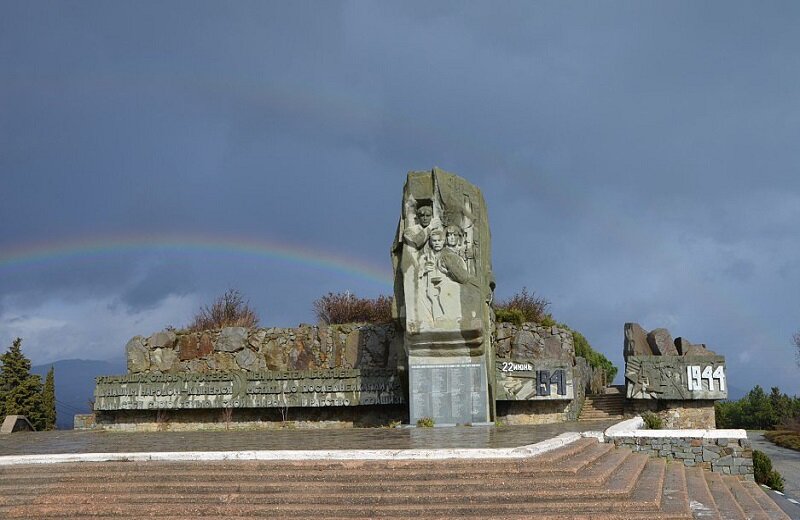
column 603, row 407
column 583, row 480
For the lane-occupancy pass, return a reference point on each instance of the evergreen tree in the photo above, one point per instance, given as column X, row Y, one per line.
column 49, row 400
column 20, row 392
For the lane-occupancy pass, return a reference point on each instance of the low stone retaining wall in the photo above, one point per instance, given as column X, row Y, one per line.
column 721, row 451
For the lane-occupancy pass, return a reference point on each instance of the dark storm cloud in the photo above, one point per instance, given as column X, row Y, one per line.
column 638, row 159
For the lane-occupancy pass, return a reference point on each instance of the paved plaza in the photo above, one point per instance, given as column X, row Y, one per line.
column 70, row 441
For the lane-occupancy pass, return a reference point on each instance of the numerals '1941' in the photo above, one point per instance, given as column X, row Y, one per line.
column 709, row 374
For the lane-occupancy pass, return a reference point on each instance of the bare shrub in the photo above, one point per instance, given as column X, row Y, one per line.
column 531, row 307
column 229, row 310
column 334, row 308
column 226, row 416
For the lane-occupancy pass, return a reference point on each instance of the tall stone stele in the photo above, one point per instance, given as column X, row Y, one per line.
column 443, row 290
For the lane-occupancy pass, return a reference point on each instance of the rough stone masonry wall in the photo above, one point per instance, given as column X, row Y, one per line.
column 720, row 455
column 532, row 342
column 237, row 348
column 351, row 345
column 676, row 415
column 348, row 346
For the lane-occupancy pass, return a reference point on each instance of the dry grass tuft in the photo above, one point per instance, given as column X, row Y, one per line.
column 337, row 308
column 229, row 310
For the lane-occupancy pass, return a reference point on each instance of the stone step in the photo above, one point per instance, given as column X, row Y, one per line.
column 603, row 406
column 599, row 416
column 605, row 397
column 614, row 411
column 567, row 463
column 590, row 481
column 386, row 492
column 605, row 401
column 596, row 474
column 643, row 498
column 595, row 408
column 726, row 503
column 770, row 508
column 700, row 500
column 675, row 496
column 746, row 502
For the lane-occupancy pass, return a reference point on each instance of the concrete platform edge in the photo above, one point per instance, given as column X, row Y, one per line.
column 520, row 452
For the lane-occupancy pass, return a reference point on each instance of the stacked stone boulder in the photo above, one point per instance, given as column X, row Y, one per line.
column 275, row 349
column 659, row 342
column 531, row 341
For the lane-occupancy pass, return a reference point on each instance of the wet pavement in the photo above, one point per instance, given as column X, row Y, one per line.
column 70, row 441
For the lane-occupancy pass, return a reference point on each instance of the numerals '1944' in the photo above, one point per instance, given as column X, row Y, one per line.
column 708, row 373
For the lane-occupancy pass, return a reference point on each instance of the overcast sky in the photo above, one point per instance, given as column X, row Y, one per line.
column 640, row 162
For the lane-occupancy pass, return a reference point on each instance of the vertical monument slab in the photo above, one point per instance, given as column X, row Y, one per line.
column 443, row 290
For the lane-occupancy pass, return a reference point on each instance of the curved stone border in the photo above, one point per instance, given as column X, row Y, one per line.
column 520, row 452
column 721, row 451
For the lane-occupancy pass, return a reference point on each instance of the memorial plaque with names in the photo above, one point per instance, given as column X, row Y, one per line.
column 450, row 393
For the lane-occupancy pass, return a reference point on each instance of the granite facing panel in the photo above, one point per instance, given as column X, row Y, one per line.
column 240, row 389
column 727, row 456
column 251, row 418
column 534, row 380
column 676, row 377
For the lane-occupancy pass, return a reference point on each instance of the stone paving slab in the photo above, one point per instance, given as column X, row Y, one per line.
column 459, row 437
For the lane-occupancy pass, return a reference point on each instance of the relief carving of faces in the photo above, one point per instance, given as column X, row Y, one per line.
column 452, row 236
column 437, row 240
column 424, row 215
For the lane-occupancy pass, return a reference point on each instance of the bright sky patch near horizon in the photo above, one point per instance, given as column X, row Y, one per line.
column 639, row 161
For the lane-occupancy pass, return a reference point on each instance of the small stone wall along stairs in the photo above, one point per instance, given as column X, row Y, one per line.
column 610, row 405
column 582, row 480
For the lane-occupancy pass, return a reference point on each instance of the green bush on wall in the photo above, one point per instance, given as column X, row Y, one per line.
column 764, row 474
column 653, row 421
column 595, row 359
column 514, row 316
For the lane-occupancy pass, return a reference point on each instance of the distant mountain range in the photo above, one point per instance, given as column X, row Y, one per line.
column 75, row 384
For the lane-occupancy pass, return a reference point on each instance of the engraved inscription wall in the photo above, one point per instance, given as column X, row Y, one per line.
column 301, row 388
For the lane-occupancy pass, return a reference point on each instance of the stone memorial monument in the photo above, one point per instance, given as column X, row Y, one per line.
column 677, row 379
column 656, row 367
column 443, row 291
column 441, row 359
